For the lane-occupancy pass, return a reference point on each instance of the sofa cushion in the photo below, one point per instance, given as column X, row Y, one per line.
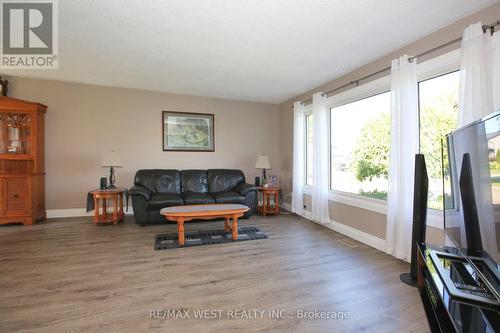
column 222, row 180
column 193, row 198
column 194, row 181
column 159, row 180
column 229, row 197
column 162, row 200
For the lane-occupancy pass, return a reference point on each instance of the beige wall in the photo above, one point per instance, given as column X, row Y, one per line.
column 367, row 221
column 372, row 223
column 84, row 121
column 361, row 219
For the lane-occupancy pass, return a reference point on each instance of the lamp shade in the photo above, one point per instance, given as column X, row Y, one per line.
column 263, row 162
column 111, row 159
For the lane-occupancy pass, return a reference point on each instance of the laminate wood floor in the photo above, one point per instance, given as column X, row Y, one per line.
column 67, row 275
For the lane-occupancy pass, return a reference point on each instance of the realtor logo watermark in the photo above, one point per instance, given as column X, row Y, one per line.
column 29, row 38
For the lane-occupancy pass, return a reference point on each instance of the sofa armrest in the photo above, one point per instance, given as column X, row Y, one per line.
column 140, row 190
column 244, row 188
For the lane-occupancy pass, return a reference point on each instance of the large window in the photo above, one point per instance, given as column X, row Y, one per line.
column 438, row 102
column 360, row 138
column 309, row 153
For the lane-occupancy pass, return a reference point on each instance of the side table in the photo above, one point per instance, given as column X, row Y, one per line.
column 101, row 197
column 267, row 194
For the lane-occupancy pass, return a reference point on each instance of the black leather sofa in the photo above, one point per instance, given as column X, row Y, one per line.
column 155, row 189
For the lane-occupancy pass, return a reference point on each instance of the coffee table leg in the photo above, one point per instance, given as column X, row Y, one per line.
column 235, row 227
column 180, row 231
column 226, row 224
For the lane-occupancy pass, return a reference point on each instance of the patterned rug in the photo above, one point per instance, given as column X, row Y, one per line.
column 207, row 237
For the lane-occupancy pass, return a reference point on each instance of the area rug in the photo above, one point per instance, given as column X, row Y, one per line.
column 207, row 237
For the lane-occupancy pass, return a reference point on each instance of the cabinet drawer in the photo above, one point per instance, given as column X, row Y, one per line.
column 16, row 196
column 16, row 188
column 16, row 205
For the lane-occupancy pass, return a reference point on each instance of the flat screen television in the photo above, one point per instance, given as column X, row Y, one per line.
column 471, row 176
column 471, row 198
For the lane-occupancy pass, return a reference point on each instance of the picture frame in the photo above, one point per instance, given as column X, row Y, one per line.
column 273, row 181
column 188, row 131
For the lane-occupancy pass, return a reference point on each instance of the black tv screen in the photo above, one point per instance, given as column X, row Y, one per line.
column 481, row 140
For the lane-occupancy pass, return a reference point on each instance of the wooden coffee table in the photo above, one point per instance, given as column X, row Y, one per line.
column 181, row 214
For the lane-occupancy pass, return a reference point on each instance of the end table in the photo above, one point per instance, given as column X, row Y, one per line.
column 100, row 201
column 267, row 193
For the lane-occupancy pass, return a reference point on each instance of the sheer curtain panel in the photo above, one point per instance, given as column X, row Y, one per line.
column 298, row 158
column 321, row 164
column 404, row 146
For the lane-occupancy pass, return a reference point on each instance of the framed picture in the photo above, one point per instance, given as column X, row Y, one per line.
column 273, row 181
column 185, row 131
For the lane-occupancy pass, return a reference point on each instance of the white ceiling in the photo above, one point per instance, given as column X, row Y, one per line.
column 260, row 50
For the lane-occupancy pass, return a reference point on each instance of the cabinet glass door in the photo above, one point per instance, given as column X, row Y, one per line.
column 15, row 133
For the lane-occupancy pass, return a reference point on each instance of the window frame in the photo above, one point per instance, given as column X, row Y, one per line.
column 378, row 89
column 426, row 70
column 367, row 90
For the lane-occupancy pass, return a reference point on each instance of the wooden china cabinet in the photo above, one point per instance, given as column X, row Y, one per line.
column 22, row 171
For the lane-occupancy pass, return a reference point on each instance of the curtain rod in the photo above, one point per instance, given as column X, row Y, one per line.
column 490, row 27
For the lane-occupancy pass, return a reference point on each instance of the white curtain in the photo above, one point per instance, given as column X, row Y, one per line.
column 320, row 139
column 298, row 158
column 404, row 146
column 479, row 92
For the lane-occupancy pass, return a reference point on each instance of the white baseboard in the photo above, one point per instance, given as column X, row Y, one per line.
column 75, row 212
column 308, row 215
column 356, row 234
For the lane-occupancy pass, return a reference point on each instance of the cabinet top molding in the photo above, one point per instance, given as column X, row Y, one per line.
column 21, row 104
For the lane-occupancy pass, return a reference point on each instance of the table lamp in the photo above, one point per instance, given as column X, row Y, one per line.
column 112, row 160
column 263, row 163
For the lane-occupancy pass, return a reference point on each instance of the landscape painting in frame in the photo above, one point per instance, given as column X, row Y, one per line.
column 183, row 131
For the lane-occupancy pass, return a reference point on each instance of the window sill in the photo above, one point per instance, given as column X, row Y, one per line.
column 374, row 205
column 434, row 217
column 371, row 204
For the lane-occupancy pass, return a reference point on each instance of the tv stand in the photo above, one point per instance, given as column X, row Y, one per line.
column 458, row 305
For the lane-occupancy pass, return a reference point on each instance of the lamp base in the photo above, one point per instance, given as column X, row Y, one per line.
column 111, row 178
